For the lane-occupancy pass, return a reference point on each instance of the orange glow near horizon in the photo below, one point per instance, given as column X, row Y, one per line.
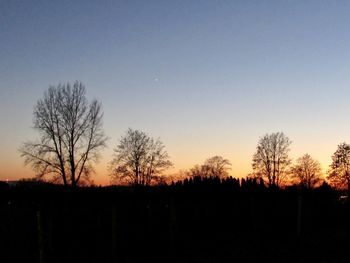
column 187, row 149
column 241, row 166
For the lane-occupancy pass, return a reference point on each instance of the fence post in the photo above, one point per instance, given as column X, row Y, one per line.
column 299, row 215
column 114, row 233
column 41, row 235
column 172, row 221
column 253, row 214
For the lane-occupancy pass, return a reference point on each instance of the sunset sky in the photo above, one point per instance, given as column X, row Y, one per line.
column 207, row 77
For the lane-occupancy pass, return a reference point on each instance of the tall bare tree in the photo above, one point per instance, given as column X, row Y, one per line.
column 307, row 171
column 215, row 166
column 339, row 173
column 271, row 158
column 71, row 135
column 139, row 159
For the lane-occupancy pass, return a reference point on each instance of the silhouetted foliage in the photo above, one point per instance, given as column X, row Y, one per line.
column 139, row 159
column 307, row 171
column 71, row 135
column 271, row 158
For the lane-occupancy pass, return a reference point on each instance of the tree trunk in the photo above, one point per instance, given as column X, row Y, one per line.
column 73, row 184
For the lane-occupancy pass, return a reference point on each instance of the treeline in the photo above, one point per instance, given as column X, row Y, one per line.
column 72, row 136
column 195, row 220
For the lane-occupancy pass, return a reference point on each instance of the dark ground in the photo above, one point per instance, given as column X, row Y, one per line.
column 199, row 221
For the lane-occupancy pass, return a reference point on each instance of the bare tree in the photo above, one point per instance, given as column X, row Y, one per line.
column 198, row 171
column 218, row 166
column 139, row 159
column 71, row 135
column 339, row 173
column 215, row 166
column 307, row 171
column 271, row 158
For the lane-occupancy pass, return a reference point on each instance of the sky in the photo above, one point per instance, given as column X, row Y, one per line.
column 206, row 77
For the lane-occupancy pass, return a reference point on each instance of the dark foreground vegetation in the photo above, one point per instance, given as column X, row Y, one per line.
column 201, row 220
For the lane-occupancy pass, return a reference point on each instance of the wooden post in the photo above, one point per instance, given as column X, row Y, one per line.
column 41, row 235
column 172, row 220
column 299, row 215
column 49, row 236
column 149, row 219
column 114, row 233
column 253, row 214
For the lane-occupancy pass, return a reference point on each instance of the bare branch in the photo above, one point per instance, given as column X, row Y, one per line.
column 138, row 159
column 271, row 158
column 306, row 171
column 71, row 133
column 339, row 173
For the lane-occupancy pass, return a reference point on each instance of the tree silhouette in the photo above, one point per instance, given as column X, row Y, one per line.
column 139, row 159
column 218, row 166
column 71, row 135
column 339, row 173
column 271, row 158
column 307, row 171
column 215, row 166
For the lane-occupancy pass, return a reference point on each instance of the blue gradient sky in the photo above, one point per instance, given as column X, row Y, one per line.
column 207, row 77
